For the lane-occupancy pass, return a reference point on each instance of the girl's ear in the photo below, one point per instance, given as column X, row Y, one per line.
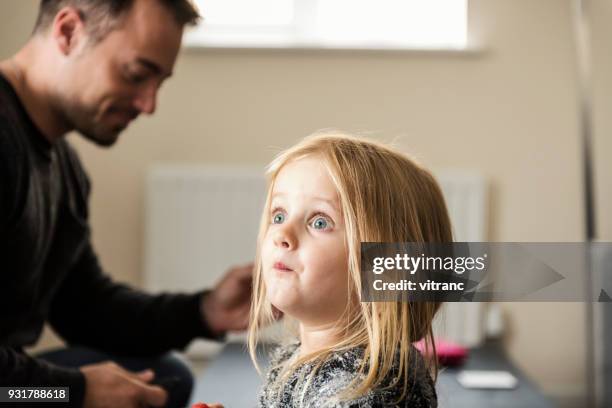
column 68, row 30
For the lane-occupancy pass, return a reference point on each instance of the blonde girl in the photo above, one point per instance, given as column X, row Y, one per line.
column 326, row 195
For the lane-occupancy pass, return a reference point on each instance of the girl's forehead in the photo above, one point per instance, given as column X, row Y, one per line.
column 306, row 177
column 305, row 173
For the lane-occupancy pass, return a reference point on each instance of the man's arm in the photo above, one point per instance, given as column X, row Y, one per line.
column 90, row 309
column 20, row 370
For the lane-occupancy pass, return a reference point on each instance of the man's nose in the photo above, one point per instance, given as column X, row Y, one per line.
column 146, row 101
column 285, row 237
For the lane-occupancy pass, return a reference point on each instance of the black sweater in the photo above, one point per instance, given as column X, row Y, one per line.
column 304, row 388
column 49, row 270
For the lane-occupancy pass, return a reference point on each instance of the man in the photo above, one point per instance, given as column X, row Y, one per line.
column 92, row 66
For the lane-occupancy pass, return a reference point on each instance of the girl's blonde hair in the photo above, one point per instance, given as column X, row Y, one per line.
column 385, row 197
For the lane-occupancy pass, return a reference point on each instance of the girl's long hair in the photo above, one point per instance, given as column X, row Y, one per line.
column 385, row 197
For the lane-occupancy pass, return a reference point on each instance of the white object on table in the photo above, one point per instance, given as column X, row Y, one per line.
column 487, row 379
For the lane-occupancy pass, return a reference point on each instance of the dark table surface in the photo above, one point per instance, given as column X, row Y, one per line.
column 232, row 380
column 490, row 356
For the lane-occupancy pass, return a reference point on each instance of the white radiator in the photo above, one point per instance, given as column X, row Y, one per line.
column 466, row 199
column 201, row 220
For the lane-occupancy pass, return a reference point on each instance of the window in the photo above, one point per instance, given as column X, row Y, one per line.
column 369, row 24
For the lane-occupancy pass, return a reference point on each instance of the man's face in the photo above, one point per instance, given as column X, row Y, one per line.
column 103, row 86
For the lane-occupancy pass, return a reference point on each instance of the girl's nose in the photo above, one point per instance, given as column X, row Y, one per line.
column 284, row 238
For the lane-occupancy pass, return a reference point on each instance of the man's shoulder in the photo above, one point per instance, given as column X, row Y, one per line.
column 13, row 167
column 10, row 108
column 12, row 146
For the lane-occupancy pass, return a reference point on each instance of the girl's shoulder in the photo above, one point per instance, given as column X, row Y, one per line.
column 280, row 357
column 342, row 369
column 336, row 374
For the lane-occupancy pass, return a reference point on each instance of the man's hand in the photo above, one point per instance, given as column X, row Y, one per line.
column 226, row 307
column 107, row 385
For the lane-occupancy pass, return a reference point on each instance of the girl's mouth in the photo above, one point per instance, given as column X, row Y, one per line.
column 282, row 267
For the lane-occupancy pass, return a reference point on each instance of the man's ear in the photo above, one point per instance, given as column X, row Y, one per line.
column 68, row 29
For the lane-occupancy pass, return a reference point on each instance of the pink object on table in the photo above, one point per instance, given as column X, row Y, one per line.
column 449, row 353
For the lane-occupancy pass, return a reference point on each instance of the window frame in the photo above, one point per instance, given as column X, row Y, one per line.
column 297, row 36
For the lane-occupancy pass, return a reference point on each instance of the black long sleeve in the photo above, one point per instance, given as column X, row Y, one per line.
column 49, row 271
column 19, row 321
column 89, row 308
column 21, row 370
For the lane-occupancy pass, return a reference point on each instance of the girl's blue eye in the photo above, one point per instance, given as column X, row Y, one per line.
column 278, row 218
column 320, row 223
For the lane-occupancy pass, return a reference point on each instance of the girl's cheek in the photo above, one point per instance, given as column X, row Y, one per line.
column 267, row 244
column 265, row 258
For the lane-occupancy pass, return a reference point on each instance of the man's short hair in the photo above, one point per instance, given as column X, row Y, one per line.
column 103, row 15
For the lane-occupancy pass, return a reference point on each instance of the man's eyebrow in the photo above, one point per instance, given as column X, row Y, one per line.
column 153, row 66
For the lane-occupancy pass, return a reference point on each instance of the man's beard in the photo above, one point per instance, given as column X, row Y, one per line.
column 105, row 139
column 85, row 122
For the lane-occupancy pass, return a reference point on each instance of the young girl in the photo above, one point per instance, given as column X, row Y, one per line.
column 326, row 195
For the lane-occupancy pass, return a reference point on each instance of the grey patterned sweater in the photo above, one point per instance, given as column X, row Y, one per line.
column 334, row 376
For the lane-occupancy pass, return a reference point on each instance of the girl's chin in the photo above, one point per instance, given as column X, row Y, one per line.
column 287, row 306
